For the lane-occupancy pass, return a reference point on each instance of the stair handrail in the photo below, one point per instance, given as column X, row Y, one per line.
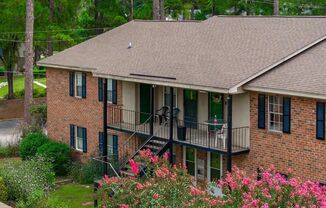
column 99, row 159
column 142, row 145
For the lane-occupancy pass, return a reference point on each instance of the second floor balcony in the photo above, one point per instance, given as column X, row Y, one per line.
column 211, row 135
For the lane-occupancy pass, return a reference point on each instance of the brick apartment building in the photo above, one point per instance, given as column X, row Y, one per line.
column 244, row 91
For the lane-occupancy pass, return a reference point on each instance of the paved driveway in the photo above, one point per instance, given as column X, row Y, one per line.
column 9, row 132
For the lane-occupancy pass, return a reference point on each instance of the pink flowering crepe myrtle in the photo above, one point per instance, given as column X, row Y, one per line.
column 239, row 189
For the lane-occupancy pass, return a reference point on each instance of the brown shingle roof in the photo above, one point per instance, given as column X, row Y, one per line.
column 220, row 52
column 305, row 74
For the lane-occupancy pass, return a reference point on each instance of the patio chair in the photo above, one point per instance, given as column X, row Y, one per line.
column 223, row 135
column 175, row 114
column 162, row 114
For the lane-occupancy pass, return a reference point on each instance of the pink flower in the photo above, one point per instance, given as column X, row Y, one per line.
column 124, row 206
column 265, row 206
column 194, row 191
column 166, row 156
column 155, row 196
column 246, row 181
column 134, row 167
column 139, row 186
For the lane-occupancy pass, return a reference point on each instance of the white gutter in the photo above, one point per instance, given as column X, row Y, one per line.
column 235, row 88
column 57, row 66
column 287, row 92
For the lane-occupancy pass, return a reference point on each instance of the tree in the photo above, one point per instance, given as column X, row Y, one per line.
column 29, row 57
column 276, row 7
column 156, row 9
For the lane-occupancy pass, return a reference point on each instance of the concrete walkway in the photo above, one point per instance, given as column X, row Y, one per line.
column 40, row 84
column 2, row 205
column 9, row 132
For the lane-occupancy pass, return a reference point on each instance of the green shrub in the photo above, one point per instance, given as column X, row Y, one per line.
column 87, row 172
column 39, row 115
column 3, row 191
column 30, row 143
column 58, row 154
column 9, row 151
column 29, row 176
column 37, row 199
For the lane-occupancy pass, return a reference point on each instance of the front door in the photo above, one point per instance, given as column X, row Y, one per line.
column 190, row 108
column 145, row 100
column 216, row 106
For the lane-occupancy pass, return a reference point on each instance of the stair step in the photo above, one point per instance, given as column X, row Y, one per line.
column 126, row 173
column 152, row 147
column 157, row 141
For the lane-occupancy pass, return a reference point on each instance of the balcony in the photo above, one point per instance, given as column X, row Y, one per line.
column 199, row 135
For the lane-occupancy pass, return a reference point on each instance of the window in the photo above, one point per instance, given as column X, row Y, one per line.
column 79, row 138
column 190, row 161
column 79, row 84
column 215, row 166
column 110, row 90
column 275, row 113
column 110, row 145
column 167, row 96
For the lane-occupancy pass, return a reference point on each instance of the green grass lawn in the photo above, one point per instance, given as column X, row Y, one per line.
column 74, row 195
column 19, row 83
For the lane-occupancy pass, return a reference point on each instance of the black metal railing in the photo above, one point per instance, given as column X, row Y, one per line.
column 212, row 136
column 129, row 119
column 105, row 162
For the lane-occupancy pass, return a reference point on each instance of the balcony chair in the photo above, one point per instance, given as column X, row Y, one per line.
column 162, row 114
column 222, row 134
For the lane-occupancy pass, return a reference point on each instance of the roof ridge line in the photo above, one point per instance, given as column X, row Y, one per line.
column 170, row 21
column 234, row 88
column 268, row 16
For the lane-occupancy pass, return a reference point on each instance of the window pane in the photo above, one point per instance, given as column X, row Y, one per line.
column 215, row 160
column 215, row 174
column 79, row 143
column 190, row 154
column 79, row 132
column 110, row 84
column 79, row 91
column 275, row 113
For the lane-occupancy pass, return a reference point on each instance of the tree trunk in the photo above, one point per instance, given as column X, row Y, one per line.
column 98, row 17
column 131, row 17
column 50, row 46
column 162, row 11
column 10, row 80
column 156, row 9
column 29, row 56
column 276, row 10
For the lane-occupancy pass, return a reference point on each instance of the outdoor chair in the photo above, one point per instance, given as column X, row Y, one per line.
column 175, row 114
column 162, row 114
column 222, row 135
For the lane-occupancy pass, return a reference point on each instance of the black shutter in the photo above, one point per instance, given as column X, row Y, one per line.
column 84, row 85
column 72, row 136
column 261, row 111
column 100, row 143
column 115, row 146
column 320, row 121
column 100, row 89
column 84, row 140
column 286, row 115
column 114, row 91
column 71, row 83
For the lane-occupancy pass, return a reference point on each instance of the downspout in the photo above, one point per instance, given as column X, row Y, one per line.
column 229, row 134
column 105, row 127
column 171, row 127
column 151, row 130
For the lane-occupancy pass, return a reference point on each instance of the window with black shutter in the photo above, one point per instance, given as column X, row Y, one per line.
column 320, row 121
column 261, row 111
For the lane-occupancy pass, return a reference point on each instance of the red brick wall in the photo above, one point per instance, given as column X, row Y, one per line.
column 64, row 110
column 300, row 150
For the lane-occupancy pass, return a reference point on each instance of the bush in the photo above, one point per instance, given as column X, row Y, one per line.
column 86, row 173
column 39, row 115
column 37, row 199
column 9, row 151
column 3, row 191
column 25, row 178
column 58, row 154
column 30, row 143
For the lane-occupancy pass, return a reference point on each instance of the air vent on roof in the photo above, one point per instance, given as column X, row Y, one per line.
column 129, row 46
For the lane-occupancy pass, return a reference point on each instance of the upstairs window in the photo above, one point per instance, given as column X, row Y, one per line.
column 78, row 84
column 110, row 90
column 275, row 113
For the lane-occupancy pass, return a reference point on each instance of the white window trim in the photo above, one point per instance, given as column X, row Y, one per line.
column 209, row 166
column 184, row 160
column 176, row 96
column 107, row 89
column 76, row 139
column 269, row 117
column 75, row 84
